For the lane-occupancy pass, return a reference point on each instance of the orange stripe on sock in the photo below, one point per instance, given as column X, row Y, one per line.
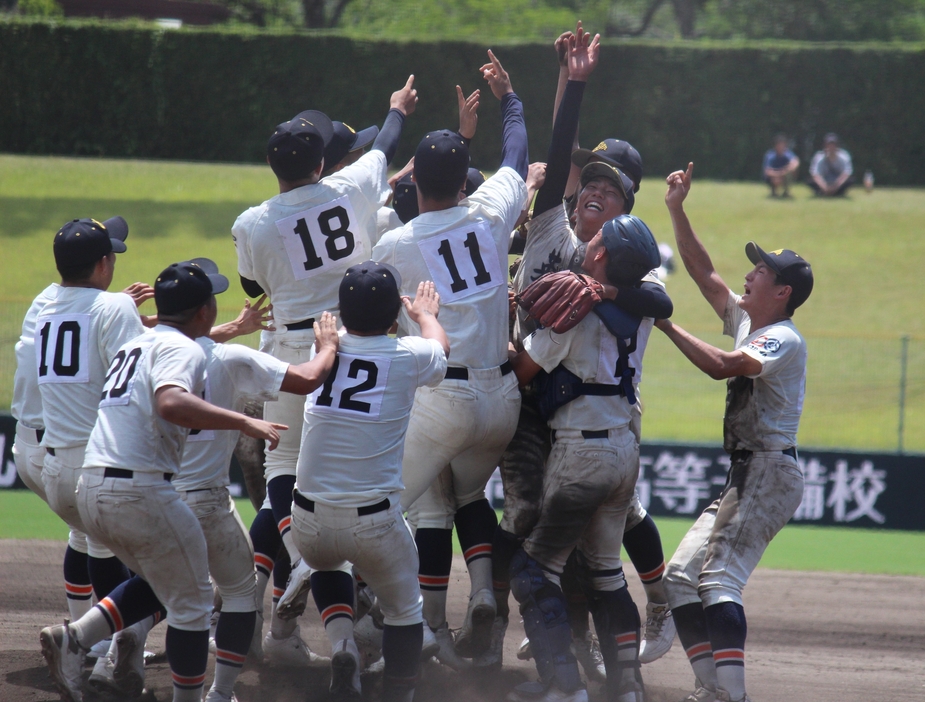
column 264, row 561
column 230, row 656
column 110, row 608
column 624, row 639
column 653, row 574
column 478, row 550
column 284, row 524
column 79, row 590
column 698, row 649
column 184, row 681
column 729, row 654
column 337, row 609
column 434, row 580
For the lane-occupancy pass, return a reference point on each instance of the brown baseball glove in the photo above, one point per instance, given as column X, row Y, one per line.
column 561, row 300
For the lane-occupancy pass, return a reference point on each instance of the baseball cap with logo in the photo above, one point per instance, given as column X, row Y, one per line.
column 790, row 268
column 188, row 284
column 617, row 153
column 441, row 159
column 296, row 147
column 368, row 297
column 84, row 241
column 344, row 140
column 600, row 169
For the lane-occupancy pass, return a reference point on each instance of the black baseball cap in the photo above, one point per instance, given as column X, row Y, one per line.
column 601, row 169
column 84, row 241
column 296, row 147
column 442, row 158
column 188, row 284
column 344, row 140
column 789, row 266
column 617, row 153
column 474, row 181
column 405, row 199
column 368, row 296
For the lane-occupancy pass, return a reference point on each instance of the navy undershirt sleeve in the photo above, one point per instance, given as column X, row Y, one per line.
column 648, row 300
column 559, row 158
column 514, row 152
column 387, row 140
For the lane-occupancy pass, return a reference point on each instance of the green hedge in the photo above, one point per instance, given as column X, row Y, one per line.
column 134, row 91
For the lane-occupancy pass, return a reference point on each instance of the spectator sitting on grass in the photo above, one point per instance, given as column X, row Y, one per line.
column 830, row 170
column 780, row 165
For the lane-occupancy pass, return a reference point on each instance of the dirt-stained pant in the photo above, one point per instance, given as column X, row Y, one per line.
column 719, row 553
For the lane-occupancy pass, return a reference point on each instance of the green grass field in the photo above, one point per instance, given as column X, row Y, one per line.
column 865, row 251
column 23, row 515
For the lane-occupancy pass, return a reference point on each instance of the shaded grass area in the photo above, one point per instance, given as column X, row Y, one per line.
column 865, row 251
column 832, row 549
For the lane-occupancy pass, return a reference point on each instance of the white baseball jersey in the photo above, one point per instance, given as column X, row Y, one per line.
column 77, row 334
column 297, row 245
column 129, row 433
column 354, row 431
column 235, row 374
column 27, row 399
column 589, row 351
column 463, row 249
column 763, row 411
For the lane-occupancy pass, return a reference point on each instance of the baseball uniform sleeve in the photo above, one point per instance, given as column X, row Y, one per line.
column 119, row 324
column 240, row 231
column 734, row 316
column 181, row 365
column 430, row 359
column 256, row 375
column 500, row 199
column 548, row 349
column 773, row 348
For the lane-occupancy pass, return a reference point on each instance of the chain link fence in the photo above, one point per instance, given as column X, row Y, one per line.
column 863, row 393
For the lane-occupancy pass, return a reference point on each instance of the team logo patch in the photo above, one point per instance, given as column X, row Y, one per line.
column 766, row 345
column 601, row 147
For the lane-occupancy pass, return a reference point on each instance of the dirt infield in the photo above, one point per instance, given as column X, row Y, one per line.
column 812, row 638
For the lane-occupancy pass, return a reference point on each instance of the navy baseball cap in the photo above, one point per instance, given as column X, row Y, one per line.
column 84, row 241
column 344, row 140
column 296, row 147
column 368, row 296
column 600, row 169
column 474, row 180
column 617, row 153
column 188, row 284
column 789, row 266
column 442, row 158
column 405, row 198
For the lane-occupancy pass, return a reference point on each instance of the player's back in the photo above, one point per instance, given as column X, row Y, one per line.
column 27, row 399
column 298, row 244
column 129, row 432
column 355, row 424
column 77, row 333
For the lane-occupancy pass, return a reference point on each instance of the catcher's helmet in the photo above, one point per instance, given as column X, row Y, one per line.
column 632, row 249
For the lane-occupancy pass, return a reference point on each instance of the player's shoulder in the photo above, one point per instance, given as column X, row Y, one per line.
column 249, row 218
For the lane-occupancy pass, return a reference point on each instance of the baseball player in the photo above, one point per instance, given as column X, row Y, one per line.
column 467, row 420
column 151, row 392
column 78, row 331
column 346, row 506
column 766, row 377
column 590, row 477
column 346, row 146
column 296, row 247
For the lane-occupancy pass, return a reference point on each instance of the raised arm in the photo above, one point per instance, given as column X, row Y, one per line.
column 716, row 363
column 307, row 377
column 692, row 251
column 252, row 318
column 582, row 57
column 401, row 104
column 514, row 152
column 424, row 310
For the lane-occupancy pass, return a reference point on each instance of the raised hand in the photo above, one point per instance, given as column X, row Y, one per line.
column 583, row 54
column 561, row 46
column 326, row 332
column 679, row 185
column 406, row 99
column 498, row 79
column 468, row 112
column 426, row 302
column 139, row 292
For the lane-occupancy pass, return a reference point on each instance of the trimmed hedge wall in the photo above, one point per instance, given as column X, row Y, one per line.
column 215, row 95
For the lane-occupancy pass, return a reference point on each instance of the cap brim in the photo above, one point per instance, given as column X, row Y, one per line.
column 603, row 169
column 365, row 137
column 321, row 122
column 757, row 255
column 210, row 268
column 581, row 157
column 393, row 271
column 117, row 228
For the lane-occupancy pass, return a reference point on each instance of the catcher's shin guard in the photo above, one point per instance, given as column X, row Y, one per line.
column 542, row 606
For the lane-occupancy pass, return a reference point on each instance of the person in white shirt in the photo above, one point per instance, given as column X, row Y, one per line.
column 766, row 381
column 151, row 397
column 295, row 247
column 347, row 508
column 465, row 423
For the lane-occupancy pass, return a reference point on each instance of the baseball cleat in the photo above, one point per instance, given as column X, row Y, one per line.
column 447, row 652
column 537, row 692
column 128, row 671
column 493, row 657
column 524, row 652
column 701, row 694
column 723, row 696
column 659, row 633
column 98, row 650
column 345, row 671
column 101, row 682
column 295, row 598
column 368, row 639
column 65, row 659
column 216, row 696
column 290, row 652
column 475, row 636
column 430, row 646
column 588, row 652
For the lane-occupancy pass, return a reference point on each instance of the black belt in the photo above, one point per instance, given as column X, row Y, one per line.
column 39, row 434
column 128, row 474
column 304, row 324
column 745, row 454
column 457, row 373
column 588, row 434
column 309, row 505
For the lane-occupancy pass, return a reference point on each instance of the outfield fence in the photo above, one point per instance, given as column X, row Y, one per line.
column 863, row 393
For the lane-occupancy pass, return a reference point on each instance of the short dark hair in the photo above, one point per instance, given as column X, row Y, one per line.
column 369, row 320
column 791, row 308
column 183, row 316
column 79, row 273
column 439, row 190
